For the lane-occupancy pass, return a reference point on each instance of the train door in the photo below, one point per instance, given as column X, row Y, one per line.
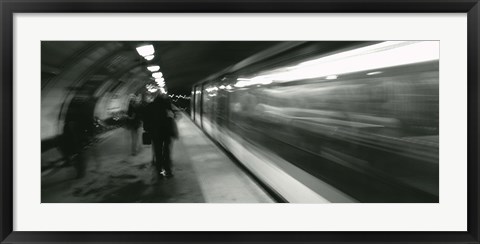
column 192, row 104
column 210, row 108
column 198, row 105
column 208, row 92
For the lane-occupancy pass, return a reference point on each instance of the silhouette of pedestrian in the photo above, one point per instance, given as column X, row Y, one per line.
column 159, row 123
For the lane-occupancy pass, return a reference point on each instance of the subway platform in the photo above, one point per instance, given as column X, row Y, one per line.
column 203, row 173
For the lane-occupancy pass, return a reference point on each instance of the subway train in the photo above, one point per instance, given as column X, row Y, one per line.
column 331, row 122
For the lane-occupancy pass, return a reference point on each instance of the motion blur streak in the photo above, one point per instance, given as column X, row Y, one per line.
column 383, row 55
column 363, row 119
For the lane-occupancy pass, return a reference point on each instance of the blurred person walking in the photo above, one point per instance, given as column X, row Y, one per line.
column 134, row 121
column 159, row 122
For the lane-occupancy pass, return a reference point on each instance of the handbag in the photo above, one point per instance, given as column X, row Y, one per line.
column 146, row 138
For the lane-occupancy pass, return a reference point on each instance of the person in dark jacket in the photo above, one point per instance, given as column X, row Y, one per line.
column 158, row 122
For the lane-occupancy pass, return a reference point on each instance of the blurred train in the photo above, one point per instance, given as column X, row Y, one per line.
column 331, row 121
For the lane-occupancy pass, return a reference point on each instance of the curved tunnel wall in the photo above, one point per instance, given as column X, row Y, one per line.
column 90, row 83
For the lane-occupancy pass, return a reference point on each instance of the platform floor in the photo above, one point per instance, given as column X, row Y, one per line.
column 203, row 174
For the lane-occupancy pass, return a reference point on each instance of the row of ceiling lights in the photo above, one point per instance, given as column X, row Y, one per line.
column 179, row 96
column 147, row 52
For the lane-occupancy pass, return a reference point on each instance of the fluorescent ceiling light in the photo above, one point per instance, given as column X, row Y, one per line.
column 146, row 50
column 153, row 68
column 157, row 75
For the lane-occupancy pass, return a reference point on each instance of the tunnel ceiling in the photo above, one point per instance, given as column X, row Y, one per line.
column 92, row 67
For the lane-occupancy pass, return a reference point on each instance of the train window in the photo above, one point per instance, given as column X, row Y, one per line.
column 222, row 104
column 208, row 105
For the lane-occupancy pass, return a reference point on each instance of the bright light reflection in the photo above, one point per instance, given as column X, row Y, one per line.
column 150, row 57
column 331, row 77
column 374, row 73
column 211, row 89
column 259, row 80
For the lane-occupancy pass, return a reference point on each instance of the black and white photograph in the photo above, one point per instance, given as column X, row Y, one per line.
column 240, row 121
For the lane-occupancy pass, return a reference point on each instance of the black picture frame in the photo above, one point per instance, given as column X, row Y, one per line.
column 9, row 7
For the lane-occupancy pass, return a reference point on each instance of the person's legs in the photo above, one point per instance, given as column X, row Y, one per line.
column 134, row 134
column 167, row 161
column 152, row 145
column 157, row 151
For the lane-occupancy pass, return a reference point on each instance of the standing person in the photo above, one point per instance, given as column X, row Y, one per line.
column 158, row 122
column 134, row 122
